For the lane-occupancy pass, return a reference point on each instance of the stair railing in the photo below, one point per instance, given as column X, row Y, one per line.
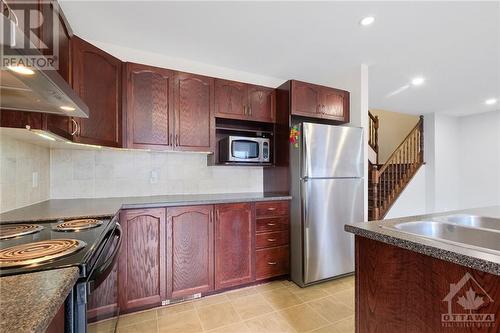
column 389, row 180
column 373, row 132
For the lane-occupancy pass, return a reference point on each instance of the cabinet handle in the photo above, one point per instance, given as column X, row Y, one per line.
column 217, row 214
column 271, row 262
column 250, row 110
column 271, row 239
column 170, row 141
column 76, row 127
column 271, row 224
column 177, row 143
column 271, row 208
column 245, row 110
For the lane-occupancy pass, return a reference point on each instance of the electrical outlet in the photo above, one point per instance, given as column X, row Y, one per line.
column 153, row 179
column 34, row 179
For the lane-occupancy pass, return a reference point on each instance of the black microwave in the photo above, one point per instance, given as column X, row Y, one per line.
column 244, row 149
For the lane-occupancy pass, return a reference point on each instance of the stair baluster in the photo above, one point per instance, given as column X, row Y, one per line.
column 389, row 180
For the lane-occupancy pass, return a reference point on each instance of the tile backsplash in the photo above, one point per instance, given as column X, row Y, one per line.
column 20, row 162
column 117, row 173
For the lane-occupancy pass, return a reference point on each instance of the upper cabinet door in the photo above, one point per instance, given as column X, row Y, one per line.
column 141, row 264
column 97, row 79
column 190, row 250
column 234, row 244
column 231, row 99
column 335, row 104
column 149, row 106
column 306, row 99
column 194, row 113
column 261, row 104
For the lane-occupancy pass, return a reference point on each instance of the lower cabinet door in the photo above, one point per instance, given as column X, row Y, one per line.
column 141, row 264
column 190, row 252
column 234, row 244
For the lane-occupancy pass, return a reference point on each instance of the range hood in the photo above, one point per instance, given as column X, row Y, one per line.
column 42, row 90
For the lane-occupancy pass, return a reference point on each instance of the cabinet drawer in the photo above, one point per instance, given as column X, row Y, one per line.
column 271, row 208
column 270, row 239
column 271, row 262
column 272, row 224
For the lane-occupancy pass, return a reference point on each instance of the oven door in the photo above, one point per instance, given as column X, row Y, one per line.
column 102, row 289
column 245, row 150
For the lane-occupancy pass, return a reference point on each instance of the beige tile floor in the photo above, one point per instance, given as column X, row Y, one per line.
column 275, row 307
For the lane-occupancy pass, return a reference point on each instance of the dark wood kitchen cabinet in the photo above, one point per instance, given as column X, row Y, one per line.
column 234, row 244
column 97, row 80
column 190, row 252
column 236, row 100
column 194, row 113
column 148, row 106
column 141, row 264
column 261, row 104
column 168, row 110
column 311, row 100
column 230, row 99
column 272, row 239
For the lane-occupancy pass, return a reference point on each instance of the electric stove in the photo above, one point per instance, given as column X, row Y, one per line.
column 92, row 245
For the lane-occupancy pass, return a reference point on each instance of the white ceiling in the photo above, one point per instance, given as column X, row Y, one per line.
column 454, row 45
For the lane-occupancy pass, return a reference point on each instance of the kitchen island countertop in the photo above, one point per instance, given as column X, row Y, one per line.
column 103, row 207
column 28, row 302
column 456, row 253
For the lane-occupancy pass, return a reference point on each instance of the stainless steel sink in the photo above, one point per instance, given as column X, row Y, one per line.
column 448, row 232
column 472, row 221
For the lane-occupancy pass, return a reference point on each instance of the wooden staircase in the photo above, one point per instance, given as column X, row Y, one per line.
column 387, row 181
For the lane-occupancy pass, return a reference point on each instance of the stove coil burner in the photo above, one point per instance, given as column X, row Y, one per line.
column 16, row 230
column 38, row 252
column 77, row 225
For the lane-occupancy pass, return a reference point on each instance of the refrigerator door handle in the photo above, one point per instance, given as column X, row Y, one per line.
column 305, row 220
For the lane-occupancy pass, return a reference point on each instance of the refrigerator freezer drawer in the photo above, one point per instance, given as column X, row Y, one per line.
column 328, row 205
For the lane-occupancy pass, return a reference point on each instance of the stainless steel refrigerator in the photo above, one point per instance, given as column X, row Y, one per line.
column 327, row 190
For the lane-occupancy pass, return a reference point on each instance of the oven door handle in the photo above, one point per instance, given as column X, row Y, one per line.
column 101, row 272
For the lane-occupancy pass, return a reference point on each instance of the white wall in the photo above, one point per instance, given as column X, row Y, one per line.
column 115, row 173
column 356, row 82
column 462, row 156
column 479, row 173
column 413, row 199
column 393, row 129
column 18, row 161
column 160, row 60
column 447, row 163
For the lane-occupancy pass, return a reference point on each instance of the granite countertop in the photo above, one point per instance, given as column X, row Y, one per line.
column 104, row 207
column 28, row 302
column 452, row 252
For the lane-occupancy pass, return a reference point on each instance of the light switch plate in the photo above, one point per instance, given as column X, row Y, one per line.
column 34, row 179
column 153, row 179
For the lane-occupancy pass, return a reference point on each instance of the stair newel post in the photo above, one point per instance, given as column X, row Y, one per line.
column 421, row 155
column 376, row 136
column 375, row 192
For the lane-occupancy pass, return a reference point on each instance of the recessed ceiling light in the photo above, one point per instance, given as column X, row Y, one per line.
column 490, row 101
column 20, row 69
column 417, row 81
column 367, row 20
column 67, row 108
